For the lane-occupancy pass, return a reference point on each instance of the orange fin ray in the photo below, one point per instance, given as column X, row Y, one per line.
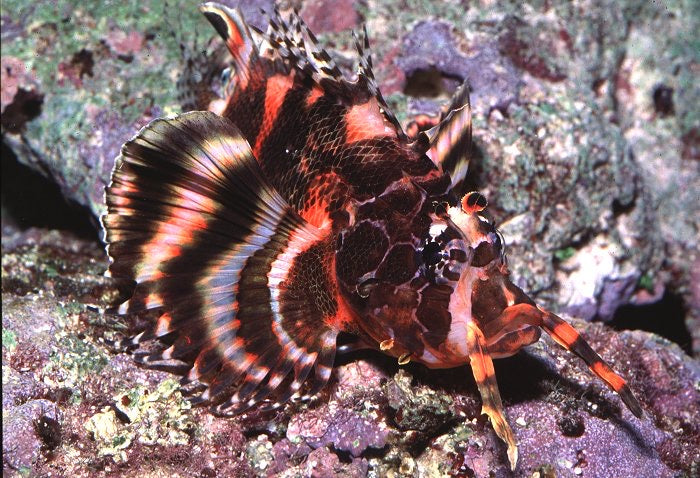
column 485, row 376
column 515, row 317
column 566, row 336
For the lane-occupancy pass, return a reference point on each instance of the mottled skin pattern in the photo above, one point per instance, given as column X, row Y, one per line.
column 301, row 211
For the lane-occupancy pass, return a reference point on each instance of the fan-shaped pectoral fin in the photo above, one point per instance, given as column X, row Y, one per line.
column 485, row 376
column 243, row 283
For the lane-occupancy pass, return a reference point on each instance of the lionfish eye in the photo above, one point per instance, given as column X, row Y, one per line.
column 432, row 253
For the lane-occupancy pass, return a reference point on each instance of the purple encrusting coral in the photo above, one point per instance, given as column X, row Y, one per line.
column 344, row 429
column 373, row 418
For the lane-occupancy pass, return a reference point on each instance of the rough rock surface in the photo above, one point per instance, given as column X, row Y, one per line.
column 587, row 141
column 72, row 406
column 588, row 147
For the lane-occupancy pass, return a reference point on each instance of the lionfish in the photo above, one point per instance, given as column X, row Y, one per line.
column 304, row 210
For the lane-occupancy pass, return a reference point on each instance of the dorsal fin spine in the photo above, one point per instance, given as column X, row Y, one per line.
column 232, row 27
column 365, row 76
column 450, row 140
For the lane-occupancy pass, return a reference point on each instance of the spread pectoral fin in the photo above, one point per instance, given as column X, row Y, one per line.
column 485, row 376
column 224, row 259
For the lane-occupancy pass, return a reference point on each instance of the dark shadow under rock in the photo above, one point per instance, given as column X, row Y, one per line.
column 664, row 317
column 31, row 200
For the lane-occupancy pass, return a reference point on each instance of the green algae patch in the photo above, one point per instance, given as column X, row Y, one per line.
column 158, row 417
column 109, row 434
column 564, row 254
column 57, row 31
column 260, row 455
column 646, row 282
column 9, row 339
column 74, row 359
column 100, row 72
column 418, row 408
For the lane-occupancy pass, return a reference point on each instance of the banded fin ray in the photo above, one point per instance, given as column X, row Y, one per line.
column 365, row 76
column 485, row 377
column 224, row 260
column 292, row 41
column 450, row 141
column 298, row 45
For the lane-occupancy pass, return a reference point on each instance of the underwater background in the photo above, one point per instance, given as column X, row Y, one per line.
column 587, row 145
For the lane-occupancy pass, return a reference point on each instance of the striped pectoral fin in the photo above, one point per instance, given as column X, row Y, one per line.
column 485, row 376
column 210, row 244
column 296, row 329
column 570, row 339
column 450, row 141
column 278, row 343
